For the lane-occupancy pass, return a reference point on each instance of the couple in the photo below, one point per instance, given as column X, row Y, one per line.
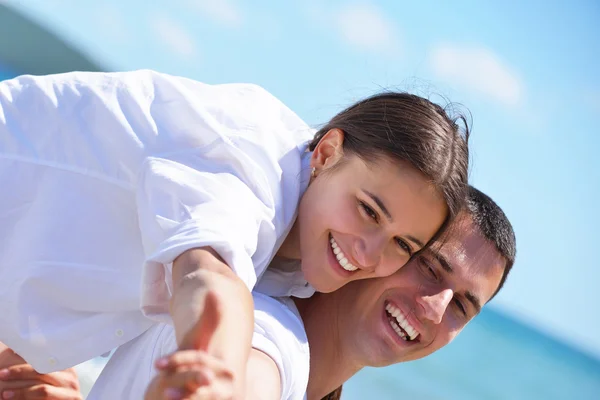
column 191, row 189
column 374, row 322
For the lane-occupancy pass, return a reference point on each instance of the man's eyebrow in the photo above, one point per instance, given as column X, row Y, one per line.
column 474, row 300
column 448, row 268
column 443, row 262
column 387, row 214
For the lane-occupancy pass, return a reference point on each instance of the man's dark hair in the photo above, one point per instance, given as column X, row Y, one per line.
column 335, row 395
column 494, row 226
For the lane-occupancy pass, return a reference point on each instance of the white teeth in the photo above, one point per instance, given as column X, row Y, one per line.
column 343, row 261
column 401, row 320
column 397, row 329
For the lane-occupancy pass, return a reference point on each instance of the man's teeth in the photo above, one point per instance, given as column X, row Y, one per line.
column 399, row 321
column 342, row 260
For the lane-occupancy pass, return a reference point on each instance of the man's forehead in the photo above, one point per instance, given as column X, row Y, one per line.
column 474, row 260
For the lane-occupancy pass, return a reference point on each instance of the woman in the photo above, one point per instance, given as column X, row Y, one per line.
column 110, row 179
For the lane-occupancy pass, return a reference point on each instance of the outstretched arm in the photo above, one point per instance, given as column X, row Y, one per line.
column 195, row 375
column 226, row 332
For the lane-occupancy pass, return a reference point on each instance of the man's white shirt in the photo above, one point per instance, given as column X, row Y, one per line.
column 278, row 332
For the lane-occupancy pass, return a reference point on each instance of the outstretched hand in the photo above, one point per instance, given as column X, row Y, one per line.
column 191, row 373
column 22, row 382
column 200, row 335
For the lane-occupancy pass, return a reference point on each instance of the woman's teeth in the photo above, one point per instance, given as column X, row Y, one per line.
column 400, row 324
column 342, row 260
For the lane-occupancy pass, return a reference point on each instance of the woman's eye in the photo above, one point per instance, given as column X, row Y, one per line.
column 369, row 211
column 405, row 246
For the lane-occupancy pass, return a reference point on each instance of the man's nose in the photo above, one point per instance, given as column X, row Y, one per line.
column 434, row 305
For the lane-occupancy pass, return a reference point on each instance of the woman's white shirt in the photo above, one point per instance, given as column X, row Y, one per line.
column 107, row 177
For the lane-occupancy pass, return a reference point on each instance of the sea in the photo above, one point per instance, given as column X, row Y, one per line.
column 496, row 357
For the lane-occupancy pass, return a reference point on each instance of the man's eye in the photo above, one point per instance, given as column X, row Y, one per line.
column 432, row 273
column 427, row 269
column 369, row 211
column 460, row 307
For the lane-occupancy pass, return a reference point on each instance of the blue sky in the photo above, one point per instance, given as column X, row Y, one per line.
column 527, row 71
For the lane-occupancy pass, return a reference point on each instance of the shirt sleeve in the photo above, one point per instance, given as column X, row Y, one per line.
column 194, row 199
column 279, row 333
column 131, row 368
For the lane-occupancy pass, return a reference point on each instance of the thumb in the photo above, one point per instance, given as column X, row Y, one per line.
column 200, row 335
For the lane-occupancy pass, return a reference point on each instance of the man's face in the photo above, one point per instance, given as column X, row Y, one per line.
column 424, row 305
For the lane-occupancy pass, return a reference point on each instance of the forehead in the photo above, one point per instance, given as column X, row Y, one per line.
column 385, row 172
column 477, row 264
column 413, row 201
column 396, row 182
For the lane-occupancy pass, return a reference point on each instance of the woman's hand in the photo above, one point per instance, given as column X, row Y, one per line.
column 191, row 372
column 18, row 380
column 23, row 382
column 192, row 375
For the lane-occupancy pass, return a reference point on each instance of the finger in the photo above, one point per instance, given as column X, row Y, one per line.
column 188, row 380
column 19, row 372
column 182, row 358
column 20, row 384
column 192, row 358
column 200, row 335
column 25, row 372
column 42, row 392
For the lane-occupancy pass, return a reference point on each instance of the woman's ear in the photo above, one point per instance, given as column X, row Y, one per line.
column 329, row 151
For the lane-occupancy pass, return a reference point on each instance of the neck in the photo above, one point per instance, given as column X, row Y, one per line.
column 331, row 362
column 290, row 248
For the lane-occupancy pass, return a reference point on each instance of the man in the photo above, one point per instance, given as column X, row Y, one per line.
column 431, row 299
column 382, row 321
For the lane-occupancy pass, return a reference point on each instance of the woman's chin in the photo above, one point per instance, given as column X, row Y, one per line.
column 319, row 282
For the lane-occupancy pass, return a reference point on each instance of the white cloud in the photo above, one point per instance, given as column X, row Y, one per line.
column 225, row 12
column 365, row 27
column 477, row 69
column 173, row 36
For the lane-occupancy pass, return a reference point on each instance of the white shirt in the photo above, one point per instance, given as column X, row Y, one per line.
column 278, row 332
column 107, row 177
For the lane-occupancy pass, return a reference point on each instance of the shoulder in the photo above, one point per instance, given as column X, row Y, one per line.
column 275, row 314
column 280, row 334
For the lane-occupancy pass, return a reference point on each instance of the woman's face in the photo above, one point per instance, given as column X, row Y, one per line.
column 360, row 219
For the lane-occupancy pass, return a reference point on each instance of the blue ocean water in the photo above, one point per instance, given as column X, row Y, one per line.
column 495, row 357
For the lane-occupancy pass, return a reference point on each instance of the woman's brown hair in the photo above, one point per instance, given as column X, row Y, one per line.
column 409, row 128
